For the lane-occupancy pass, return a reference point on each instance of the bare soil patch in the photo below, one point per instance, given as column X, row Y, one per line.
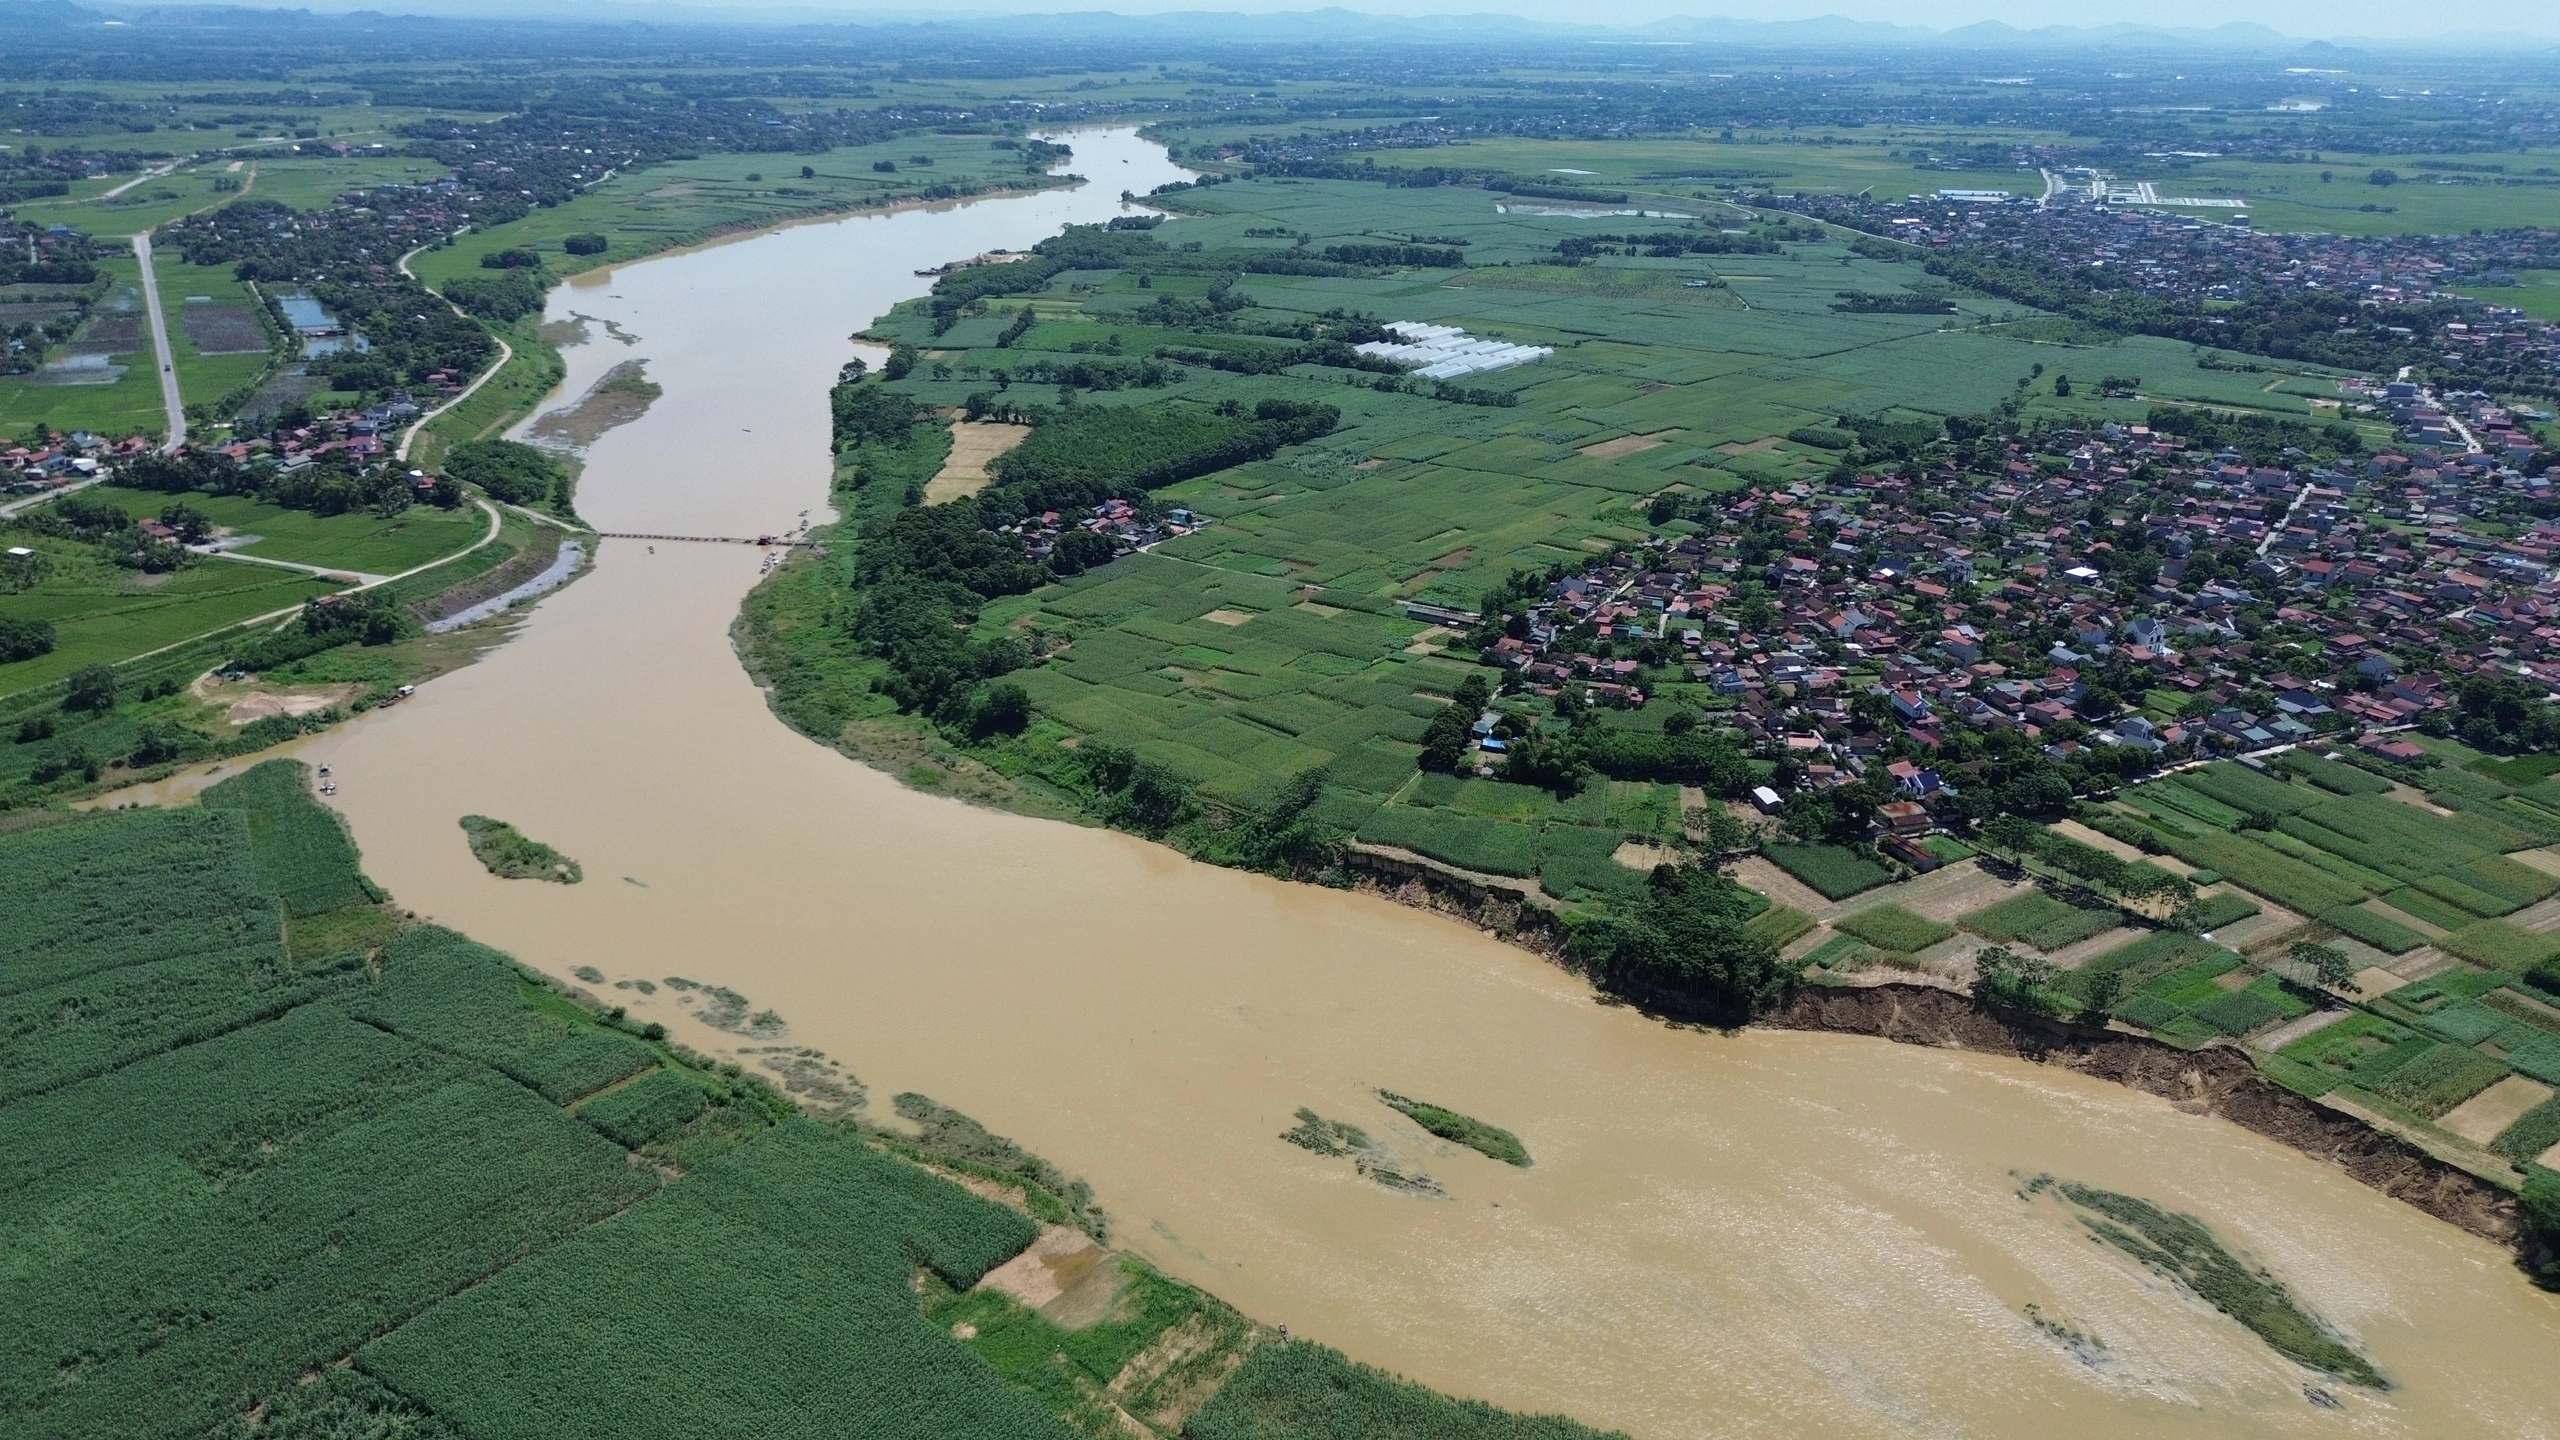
column 1629, row 445
column 1748, row 447
column 1063, row 1262
column 250, row 701
column 1637, row 856
column 1227, row 617
column 973, row 444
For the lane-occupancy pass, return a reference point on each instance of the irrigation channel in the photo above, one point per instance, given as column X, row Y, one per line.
column 1753, row 1234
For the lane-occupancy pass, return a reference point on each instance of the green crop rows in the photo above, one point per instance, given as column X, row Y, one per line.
column 1890, row 927
column 1834, row 871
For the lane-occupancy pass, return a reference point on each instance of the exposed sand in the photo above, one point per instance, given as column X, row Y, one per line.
column 2481, row 1117
column 249, row 700
column 2374, row 980
column 1061, row 1260
column 1644, row 857
column 973, row 444
column 1629, row 445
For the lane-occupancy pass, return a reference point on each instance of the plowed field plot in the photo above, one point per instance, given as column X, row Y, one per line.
column 222, row 329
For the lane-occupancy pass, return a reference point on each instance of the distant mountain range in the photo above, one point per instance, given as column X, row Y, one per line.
column 1283, row 27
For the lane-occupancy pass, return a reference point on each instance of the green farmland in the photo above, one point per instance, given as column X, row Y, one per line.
column 2437, row 890
column 1276, row 638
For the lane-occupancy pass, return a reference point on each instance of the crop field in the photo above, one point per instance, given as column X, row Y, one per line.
column 1834, row 871
column 123, row 399
column 2038, row 919
column 1891, row 927
column 2338, row 840
column 102, row 613
column 803, row 1241
column 1305, row 1391
column 301, row 848
column 219, row 337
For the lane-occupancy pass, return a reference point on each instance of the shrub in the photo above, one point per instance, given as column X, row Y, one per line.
column 509, row 470
column 587, row 244
column 24, row 639
column 1891, row 927
column 1489, row 1140
column 1304, row 1391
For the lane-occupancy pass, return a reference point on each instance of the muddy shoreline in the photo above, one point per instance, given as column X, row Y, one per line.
column 2217, row 1080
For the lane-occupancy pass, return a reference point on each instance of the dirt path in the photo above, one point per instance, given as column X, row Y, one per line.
column 973, row 444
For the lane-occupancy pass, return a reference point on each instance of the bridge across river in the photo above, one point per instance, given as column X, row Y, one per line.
column 768, row 540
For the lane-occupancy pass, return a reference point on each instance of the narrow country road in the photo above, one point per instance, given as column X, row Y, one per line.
column 170, row 399
column 506, row 353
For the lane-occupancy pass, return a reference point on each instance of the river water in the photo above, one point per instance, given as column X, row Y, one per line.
column 1722, row 1235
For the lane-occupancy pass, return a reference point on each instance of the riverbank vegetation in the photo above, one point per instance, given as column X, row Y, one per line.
column 470, row 1195
column 509, row 854
column 316, row 655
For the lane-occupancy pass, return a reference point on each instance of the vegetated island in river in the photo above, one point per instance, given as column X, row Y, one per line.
column 2186, row 1250
column 511, row 855
column 402, row 1184
column 1174, row 609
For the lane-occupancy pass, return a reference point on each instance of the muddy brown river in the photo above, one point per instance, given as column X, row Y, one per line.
column 1769, row 1233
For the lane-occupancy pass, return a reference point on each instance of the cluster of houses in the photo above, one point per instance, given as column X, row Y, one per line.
column 1909, row 606
column 56, row 461
column 1120, row 522
column 2377, row 279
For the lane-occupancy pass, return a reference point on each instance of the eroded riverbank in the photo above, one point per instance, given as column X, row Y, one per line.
column 1770, row 1232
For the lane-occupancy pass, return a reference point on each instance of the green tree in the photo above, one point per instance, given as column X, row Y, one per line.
column 1002, row 709
column 2105, row 988
column 1688, row 937
column 24, row 639
column 2327, row 963
column 2010, row 981
column 2539, row 1207
column 92, row 688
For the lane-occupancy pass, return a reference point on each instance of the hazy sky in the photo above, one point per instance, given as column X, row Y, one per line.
column 2307, row 19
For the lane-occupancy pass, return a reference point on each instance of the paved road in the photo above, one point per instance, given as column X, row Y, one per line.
column 170, row 399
